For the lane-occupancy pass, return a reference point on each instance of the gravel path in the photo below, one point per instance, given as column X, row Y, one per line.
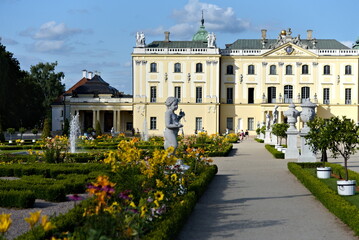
column 19, row 226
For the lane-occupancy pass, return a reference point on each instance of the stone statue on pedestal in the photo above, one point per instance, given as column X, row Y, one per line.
column 172, row 122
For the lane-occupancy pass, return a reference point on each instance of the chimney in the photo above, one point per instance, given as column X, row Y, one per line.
column 264, row 34
column 84, row 73
column 167, row 36
column 309, row 34
column 90, row 75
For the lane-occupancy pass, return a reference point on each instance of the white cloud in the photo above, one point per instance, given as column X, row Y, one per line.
column 49, row 46
column 51, row 30
column 347, row 43
column 217, row 19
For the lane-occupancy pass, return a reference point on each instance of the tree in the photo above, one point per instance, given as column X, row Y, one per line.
column 98, row 128
column 46, row 130
column 22, row 130
column 50, row 82
column 10, row 131
column 319, row 136
column 66, row 129
column 280, row 129
column 343, row 139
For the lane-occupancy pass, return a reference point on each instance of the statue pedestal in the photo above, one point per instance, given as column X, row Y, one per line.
column 292, row 151
column 307, row 154
column 274, row 140
column 267, row 139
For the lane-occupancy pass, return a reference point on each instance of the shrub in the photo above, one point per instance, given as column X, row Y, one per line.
column 18, row 199
column 259, row 140
column 336, row 204
column 274, row 152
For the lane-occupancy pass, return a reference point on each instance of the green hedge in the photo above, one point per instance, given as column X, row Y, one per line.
column 259, row 140
column 274, row 152
column 50, row 170
column 336, row 204
column 17, row 199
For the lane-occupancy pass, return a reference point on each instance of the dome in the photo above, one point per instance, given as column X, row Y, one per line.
column 356, row 44
column 283, row 32
column 201, row 35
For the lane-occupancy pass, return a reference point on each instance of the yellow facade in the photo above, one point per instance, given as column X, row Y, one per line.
column 261, row 79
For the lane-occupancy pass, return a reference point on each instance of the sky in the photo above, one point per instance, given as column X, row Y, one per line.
column 96, row 35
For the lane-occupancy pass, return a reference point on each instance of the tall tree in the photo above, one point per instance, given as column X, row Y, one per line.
column 50, row 82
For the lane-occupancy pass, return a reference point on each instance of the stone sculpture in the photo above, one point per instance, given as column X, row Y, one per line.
column 275, row 114
column 172, row 122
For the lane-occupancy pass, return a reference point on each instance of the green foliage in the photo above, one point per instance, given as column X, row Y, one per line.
column 35, row 131
column 17, row 198
column 22, row 130
column 258, row 131
column 274, row 152
column 263, row 130
column 98, row 128
column 279, row 129
column 336, row 204
column 66, row 130
column 259, row 140
column 46, row 130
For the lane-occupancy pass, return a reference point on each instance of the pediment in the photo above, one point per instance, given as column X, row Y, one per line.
column 289, row 50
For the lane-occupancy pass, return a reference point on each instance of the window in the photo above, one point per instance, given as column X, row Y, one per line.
column 288, row 93
column 271, row 94
column 230, row 123
column 198, row 123
column 272, row 70
column 153, row 124
column 62, row 113
column 129, row 126
column 305, row 69
column 199, row 68
column 153, row 67
column 230, row 69
column 251, row 69
column 326, row 96
column 177, row 67
column 198, row 94
column 153, row 94
column 288, row 70
column 251, row 124
column 326, row 70
column 178, row 93
column 348, row 96
column 305, row 93
column 230, row 95
column 348, row 70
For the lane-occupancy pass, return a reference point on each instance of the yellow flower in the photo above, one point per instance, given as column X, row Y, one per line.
column 174, row 177
column 33, row 219
column 5, row 222
column 132, row 204
column 159, row 183
column 143, row 211
column 159, row 195
column 47, row 225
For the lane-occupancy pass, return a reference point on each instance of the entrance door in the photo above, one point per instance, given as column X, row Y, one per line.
column 108, row 121
column 250, row 95
column 271, row 94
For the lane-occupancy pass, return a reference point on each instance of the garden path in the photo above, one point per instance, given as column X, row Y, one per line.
column 254, row 196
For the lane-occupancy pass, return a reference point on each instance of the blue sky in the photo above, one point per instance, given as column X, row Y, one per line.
column 100, row 35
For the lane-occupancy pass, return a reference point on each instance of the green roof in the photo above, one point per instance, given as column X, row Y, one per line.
column 201, row 35
column 257, row 44
column 177, row 44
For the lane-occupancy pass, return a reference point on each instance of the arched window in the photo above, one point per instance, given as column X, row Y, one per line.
column 230, row 69
column 288, row 93
column 250, row 69
column 177, row 67
column 348, row 70
column 305, row 69
column 153, row 67
column 288, row 70
column 326, row 70
column 272, row 70
column 199, row 68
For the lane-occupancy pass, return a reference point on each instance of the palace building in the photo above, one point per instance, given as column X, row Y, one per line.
column 231, row 88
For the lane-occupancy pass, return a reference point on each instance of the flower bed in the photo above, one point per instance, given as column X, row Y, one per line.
column 345, row 208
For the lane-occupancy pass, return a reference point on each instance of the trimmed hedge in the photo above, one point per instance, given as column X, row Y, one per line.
column 336, row 204
column 274, row 152
column 259, row 140
column 17, row 199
